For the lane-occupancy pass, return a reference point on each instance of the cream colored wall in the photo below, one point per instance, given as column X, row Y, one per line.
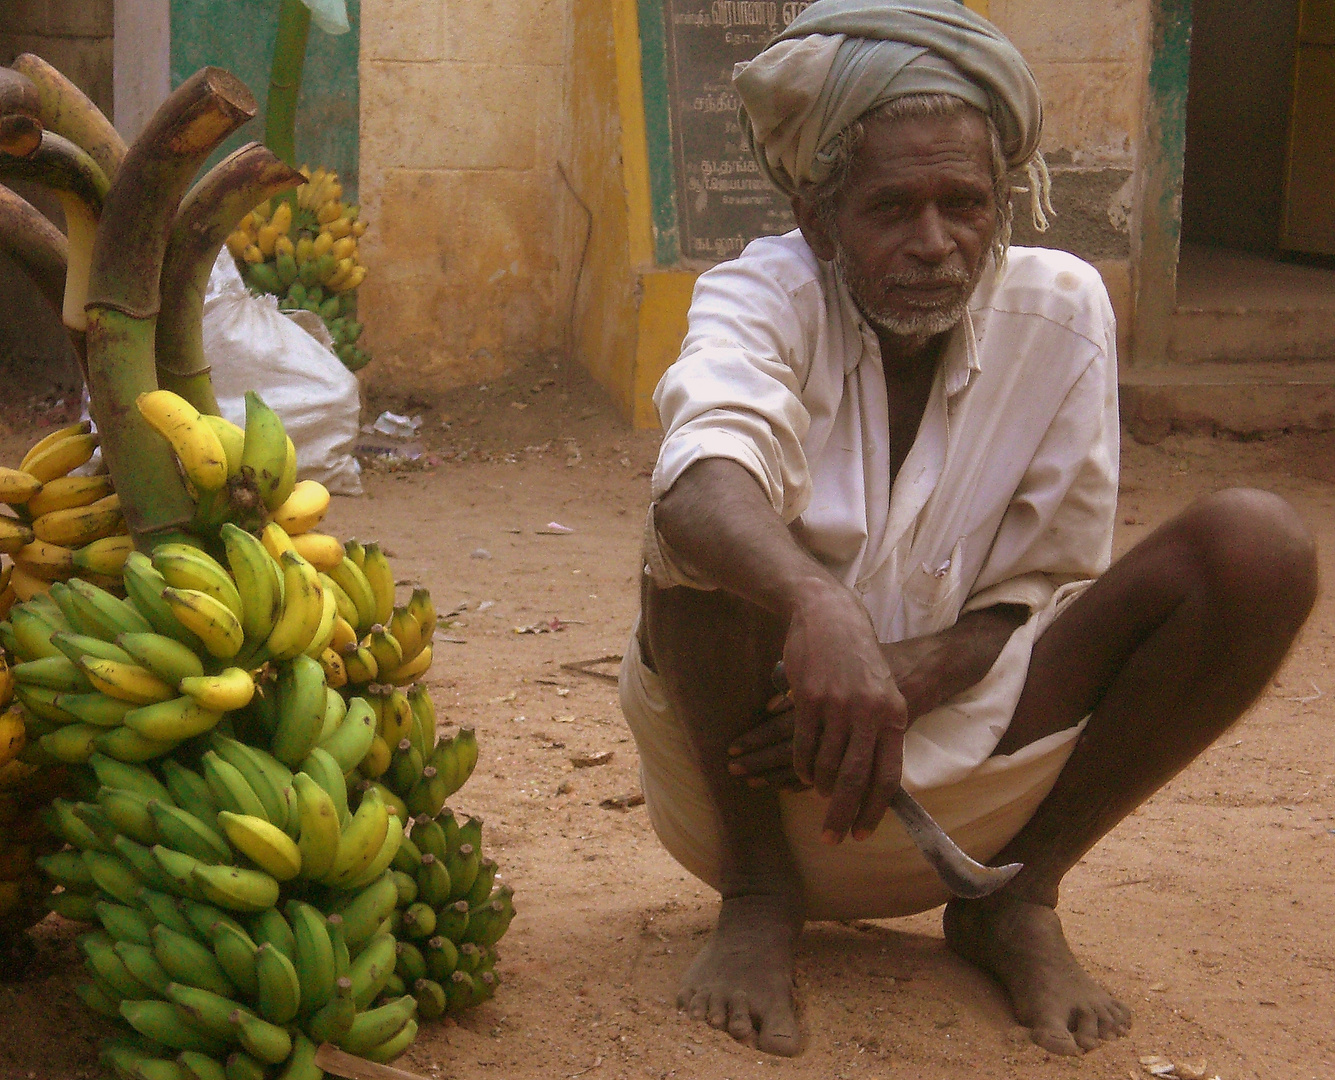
column 461, row 121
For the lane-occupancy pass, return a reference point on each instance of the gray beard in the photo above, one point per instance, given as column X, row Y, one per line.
column 923, row 323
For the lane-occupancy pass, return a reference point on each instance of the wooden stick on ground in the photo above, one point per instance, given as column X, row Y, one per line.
column 336, row 1061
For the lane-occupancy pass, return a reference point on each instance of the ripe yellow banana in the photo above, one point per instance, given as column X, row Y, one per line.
column 303, row 609
column 321, row 550
column 67, row 491
column 129, row 682
column 83, row 427
column 61, row 457
column 106, row 556
column 17, row 486
column 304, row 509
column 81, row 525
column 26, row 586
column 230, row 689
column 196, row 444
column 335, row 674
column 185, row 567
column 212, row 621
column 13, row 535
column 344, row 635
column 275, row 541
column 380, row 575
column 411, row 671
column 51, row 562
column 271, row 849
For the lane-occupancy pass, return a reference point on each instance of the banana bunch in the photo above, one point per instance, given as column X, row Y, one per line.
column 63, row 526
column 451, row 913
column 306, row 255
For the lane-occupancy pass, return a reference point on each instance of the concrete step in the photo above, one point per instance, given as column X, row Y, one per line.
column 1211, row 335
column 1241, row 398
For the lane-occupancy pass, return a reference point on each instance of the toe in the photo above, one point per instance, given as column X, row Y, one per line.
column 780, row 1036
column 718, row 1013
column 739, row 1022
column 1086, row 1033
column 1055, row 1040
column 698, row 1007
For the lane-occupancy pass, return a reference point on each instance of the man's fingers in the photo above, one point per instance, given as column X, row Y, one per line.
column 885, row 781
column 830, row 755
column 772, row 731
column 849, row 790
column 807, row 735
column 766, row 759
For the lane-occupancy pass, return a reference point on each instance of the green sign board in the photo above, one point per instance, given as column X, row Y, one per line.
column 238, row 35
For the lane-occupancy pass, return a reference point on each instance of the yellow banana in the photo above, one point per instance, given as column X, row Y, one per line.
column 303, row 609
column 212, row 621
column 407, row 632
column 106, row 556
column 411, row 670
column 13, row 535
column 275, row 541
column 128, row 682
column 282, row 217
column 51, row 562
column 25, row 585
column 81, row 525
column 196, row 444
column 352, row 580
column 380, row 575
column 344, row 635
column 61, row 457
column 321, row 550
column 230, row 689
column 232, row 438
column 186, row 567
column 83, row 427
column 271, row 849
column 258, row 579
column 287, row 480
column 13, row 735
column 351, row 282
column 17, row 486
column 68, row 491
column 384, row 647
column 335, row 674
column 304, row 509
column 362, row 840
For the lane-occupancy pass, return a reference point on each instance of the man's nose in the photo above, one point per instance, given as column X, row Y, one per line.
column 931, row 240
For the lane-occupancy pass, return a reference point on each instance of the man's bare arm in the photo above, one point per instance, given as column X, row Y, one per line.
column 850, row 715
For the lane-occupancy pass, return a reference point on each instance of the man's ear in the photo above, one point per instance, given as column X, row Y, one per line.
column 814, row 230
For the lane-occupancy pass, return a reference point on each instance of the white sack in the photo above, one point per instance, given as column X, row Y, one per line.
column 288, row 359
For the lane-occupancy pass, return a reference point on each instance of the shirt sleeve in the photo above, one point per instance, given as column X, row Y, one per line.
column 734, row 392
column 1058, row 526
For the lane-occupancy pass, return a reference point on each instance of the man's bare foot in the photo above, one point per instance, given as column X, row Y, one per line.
column 1023, row 946
column 742, row 981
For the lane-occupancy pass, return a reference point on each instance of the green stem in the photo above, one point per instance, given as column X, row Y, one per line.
column 289, row 57
column 124, row 296
column 66, row 110
column 211, row 210
column 29, row 238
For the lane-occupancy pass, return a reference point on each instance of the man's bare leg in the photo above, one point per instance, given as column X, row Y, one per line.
column 715, row 654
column 1163, row 653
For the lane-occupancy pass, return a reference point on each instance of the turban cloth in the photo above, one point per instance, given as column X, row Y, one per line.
column 841, row 58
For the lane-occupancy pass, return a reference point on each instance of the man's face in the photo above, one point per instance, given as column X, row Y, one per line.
column 915, row 221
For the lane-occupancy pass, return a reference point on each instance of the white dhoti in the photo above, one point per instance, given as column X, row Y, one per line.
column 980, row 800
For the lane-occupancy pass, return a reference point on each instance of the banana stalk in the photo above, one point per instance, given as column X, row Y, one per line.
column 18, row 95
column 289, row 58
column 63, row 108
column 211, row 210
column 123, row 300
column 29, row 238
column 81, row 186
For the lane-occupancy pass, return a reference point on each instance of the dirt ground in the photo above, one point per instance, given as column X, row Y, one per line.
column 1209, row 911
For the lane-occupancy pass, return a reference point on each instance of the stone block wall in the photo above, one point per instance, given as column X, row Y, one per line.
column 461, row 106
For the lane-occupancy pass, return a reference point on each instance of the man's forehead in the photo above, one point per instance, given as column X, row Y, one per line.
column 955, row 145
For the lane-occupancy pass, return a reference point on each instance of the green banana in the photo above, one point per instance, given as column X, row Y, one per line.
column 259, row 582
column 58, row 673
column 241, row 1066
column 410, row 964
column 442, row 957
column 405, row 769
column 100, row 998
column 349, row 743
column 361, row 840
column 364, row 913
column 32, row 633
column 140, row 962
column 190, row 963
column 395, row 1045
column 470, row 958
column 255, row 766
column 463, row 866
column 380, row 577
column 264, row 453
column 342, row 960
column 433, row 881
column 175, row 720
column 143, row 586
column 75, row 646
column 201, row 918
column 163, row 1022
column 430, row 997
column 166, row 657
column 126, row 744
column 68, row 870
column 280, row 990
column 301, row 709
column 406, row 885
column 206, row 1010
column 178, row 869
column 331, row 1022
column 99, row 948
column 301, row 1065
column 334, row 712
column 186, row 567
column 372, row 966
column 266, row 845
column 458, row 992
column 321, row 767
column 72, row 744
column 319, row 837
column 374, row 1026
column 102, row 614
column 124, row 923
column 234, row 950
column 236, row 888
column 418, row 920
column 482, row 884
column 349, row 577
column 314, row 959
column 229, row 786
column 431, row 834
column 201, row 1066
column 113, row 876
column 384, row 857
column 41, row 702
column 270, row 926
column 140, row 858
column 261, row 1039
column 122, row 1056
column 99, row 709
column 77, row 907
column 452, row 920
column 181, row 830
column 158, row 1069
column 424, row 718
column 165, row 908
column 189, row 790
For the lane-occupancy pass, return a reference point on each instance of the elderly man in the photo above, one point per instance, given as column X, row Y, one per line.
column 890, row 461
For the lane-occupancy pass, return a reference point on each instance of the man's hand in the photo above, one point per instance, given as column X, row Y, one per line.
column 926, row 672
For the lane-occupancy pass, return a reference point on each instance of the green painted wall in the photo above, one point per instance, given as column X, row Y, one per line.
column 238, row 35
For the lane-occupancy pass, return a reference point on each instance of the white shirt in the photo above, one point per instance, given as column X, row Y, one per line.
column 1009, row 490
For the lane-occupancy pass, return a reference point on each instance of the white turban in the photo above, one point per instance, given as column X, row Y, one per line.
column 841, row 58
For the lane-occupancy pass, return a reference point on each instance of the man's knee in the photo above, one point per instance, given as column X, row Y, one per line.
column 1254, row 554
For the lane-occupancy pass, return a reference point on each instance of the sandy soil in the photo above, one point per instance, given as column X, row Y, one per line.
column 1208, row 911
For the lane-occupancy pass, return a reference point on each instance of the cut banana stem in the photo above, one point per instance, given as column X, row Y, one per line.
column 66, row 110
